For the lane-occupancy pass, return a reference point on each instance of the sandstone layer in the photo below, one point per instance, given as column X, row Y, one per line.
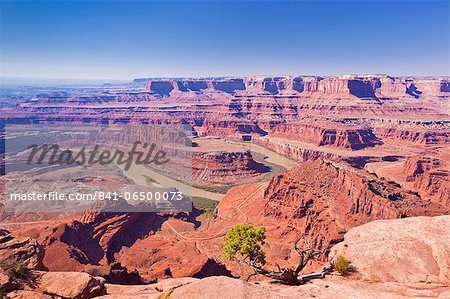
column 358, row 86
column 409, row 250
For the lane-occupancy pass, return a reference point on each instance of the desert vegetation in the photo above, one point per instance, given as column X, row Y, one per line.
column 14, row 266
column 243, row 242
column 342, row 265
column 205, row 205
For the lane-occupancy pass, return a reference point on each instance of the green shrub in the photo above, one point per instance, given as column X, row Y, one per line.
column 205, row 205
column 342, row 265
column 245, row 240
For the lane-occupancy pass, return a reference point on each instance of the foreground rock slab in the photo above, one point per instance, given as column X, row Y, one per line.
column 24, row 294
column 410, row 250
column 75, row 285
column 157, row 290
column 230, row 288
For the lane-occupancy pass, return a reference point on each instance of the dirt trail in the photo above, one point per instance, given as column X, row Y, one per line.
column 222, row 232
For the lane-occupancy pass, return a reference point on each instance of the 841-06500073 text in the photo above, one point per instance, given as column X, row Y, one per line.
column 100, row 195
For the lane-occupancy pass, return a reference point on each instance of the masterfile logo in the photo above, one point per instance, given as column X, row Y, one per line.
column 117, row 168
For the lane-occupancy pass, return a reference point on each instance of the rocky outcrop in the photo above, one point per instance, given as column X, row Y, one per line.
column 430, row 86
column 166, row 87
column 143, row 244
column 350, row 86
column 295, row 151
column 327, row 134
column 17, row 257
column 97, row 239
column 24, row 251
column 303, row 152
column 20, row 260
column 229, row 85
column 389, row 87
column 408, row 250
column 274, row 85
column 429, row 175
column 415, row 135
column 162, row 87
column 75, row 285
column 225, row 167
column 228, row 127
column 266, row 110
column 376, row 86
column 324, row 199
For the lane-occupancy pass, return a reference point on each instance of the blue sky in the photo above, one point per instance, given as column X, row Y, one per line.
column 128, row 39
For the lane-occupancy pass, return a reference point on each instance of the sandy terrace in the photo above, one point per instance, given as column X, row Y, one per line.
column 216, row 145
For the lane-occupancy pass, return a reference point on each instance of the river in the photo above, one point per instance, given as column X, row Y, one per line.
column 136, row 172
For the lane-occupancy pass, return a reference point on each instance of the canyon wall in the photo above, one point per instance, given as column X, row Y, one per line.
column 324, row 199
column 225, row 167
column 413, row 135
column 431, row 175
column 327, row 134
column 374, row 86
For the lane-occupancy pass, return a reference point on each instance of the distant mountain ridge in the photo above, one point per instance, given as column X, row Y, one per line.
column 361, row 86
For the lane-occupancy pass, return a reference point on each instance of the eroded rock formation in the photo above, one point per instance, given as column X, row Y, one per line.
column 19, row 250
column 225, row 167
column 327, row 134
column 430, row 175
column 408, row 250
column 358, row 86
column 324, row 199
